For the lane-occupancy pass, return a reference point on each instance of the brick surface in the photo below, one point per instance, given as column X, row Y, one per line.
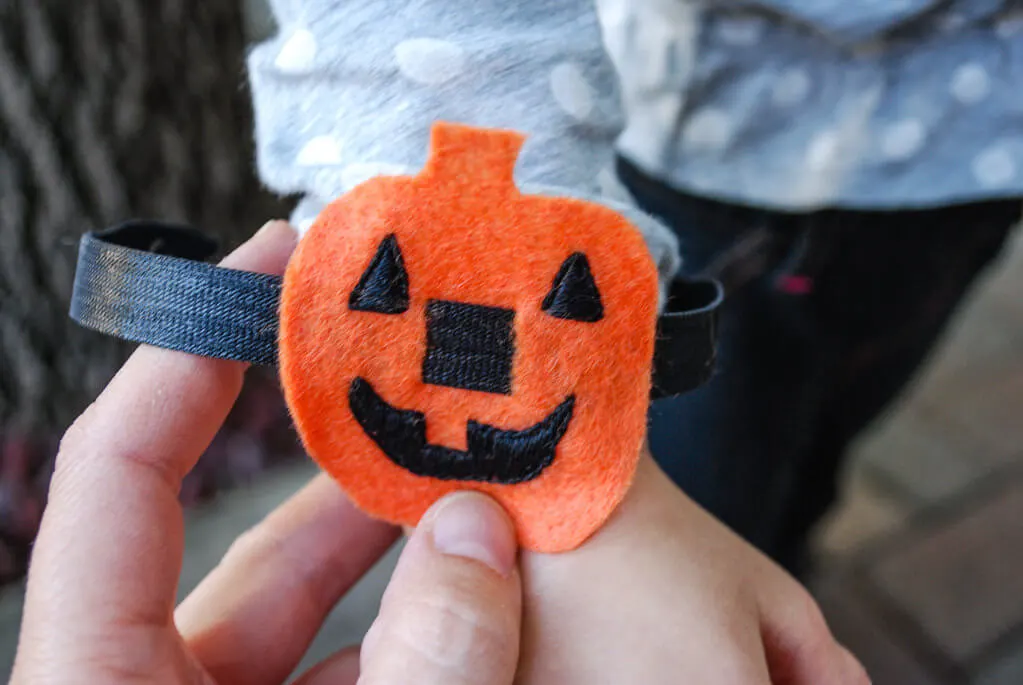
column 1005, row 287
column 980, row 341
column 961, row 580
column 990, row 410
column 883, row 653
column 863, row 514
column 921, row 456
column 1006, row 670
column 975, row 382
column 987, row 334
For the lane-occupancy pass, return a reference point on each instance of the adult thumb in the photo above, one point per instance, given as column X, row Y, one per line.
column 452, row 612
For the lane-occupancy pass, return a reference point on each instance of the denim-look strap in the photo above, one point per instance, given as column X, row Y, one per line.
column 147, row 282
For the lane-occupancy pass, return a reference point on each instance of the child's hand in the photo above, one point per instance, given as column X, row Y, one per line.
column 663, row 593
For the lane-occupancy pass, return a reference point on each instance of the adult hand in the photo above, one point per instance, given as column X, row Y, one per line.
column 666, row 594
column 101, row 589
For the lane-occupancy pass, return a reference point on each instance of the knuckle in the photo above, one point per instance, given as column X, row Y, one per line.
column 75, row 433
column 255, row 549
column 452, row 632
column 86, row 446
column 71, row 451
column 251, row 546
column 128, row 655
column 811, row 618
column 857, row 673
column 76, row 436
column 305, row 581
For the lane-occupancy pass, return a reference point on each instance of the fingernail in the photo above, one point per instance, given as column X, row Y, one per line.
column 273, row 226
column 854, row 672
column 472, row 526
column 267, row 251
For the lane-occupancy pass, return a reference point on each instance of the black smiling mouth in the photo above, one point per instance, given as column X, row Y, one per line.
column 493, row 455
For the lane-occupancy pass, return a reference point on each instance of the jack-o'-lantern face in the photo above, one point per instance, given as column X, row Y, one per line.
column 446, row 331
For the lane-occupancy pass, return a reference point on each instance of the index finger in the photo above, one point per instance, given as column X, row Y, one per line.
column 109, row 549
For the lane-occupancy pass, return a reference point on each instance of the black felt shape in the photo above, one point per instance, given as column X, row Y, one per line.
column 494, row 455
column 469, row 346
column 383, row 287
column 574, row 294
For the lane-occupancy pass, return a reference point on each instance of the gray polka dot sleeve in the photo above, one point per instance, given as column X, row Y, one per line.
column 348, row 89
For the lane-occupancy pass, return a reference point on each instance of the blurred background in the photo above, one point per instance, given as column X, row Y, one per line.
column 111, row 109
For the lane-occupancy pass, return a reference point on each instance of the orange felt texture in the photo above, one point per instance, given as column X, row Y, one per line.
column 468, row 235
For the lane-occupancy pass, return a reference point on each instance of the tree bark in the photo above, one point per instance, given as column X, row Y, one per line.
column 109, row 109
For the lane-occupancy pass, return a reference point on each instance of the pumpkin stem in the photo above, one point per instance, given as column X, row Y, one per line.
column 480, row 156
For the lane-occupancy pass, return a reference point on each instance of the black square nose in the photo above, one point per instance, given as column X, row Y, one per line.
column 469, row 346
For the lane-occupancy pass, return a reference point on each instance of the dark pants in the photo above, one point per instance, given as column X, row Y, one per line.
column 822, row 328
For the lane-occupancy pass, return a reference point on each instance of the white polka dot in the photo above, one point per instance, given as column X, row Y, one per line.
column 360, row 172
column 298, row 54
column 320, row 151
column 994, row 167
column 902, row 139
column 970, row 83
column 429, row 61
column 571, row 91
column 822, row 152
column 791, row 88
column 1009, row 26
column 740, row 32
column 708, row 130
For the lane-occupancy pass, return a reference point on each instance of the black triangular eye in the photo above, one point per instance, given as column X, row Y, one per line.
column 574, row 294
column 383, row 287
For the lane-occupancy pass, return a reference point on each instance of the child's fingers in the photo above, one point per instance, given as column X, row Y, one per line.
column 799, row 646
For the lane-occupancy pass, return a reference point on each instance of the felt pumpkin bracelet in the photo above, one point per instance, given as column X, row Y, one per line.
column 437, row 332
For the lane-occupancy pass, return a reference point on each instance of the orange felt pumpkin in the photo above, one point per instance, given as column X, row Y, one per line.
column 446, row 331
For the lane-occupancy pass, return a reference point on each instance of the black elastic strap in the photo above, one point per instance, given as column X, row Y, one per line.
column 146, row 282
column 686, row 348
